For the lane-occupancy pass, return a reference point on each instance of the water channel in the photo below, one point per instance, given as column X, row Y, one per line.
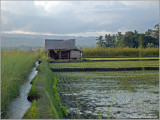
column 19, row 106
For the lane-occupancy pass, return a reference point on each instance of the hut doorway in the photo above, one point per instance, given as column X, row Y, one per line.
column 53, row 54
column 63, row 54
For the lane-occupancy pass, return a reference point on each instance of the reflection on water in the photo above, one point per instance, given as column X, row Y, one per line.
column 19, row 106
column 93, row 99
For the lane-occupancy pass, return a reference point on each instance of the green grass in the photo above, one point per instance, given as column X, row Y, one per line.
column 15, row 67
column 134, row 58
column 48, row 105
column 32, row 113
column 107, row 64
column 33, row 91
column 120, row 52
column 55, row 89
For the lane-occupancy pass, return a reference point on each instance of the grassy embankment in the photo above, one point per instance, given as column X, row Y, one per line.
column 44, row 95
column 120, row 52
column 15, row 66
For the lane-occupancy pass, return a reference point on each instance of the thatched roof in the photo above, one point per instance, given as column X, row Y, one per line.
column 59, row 44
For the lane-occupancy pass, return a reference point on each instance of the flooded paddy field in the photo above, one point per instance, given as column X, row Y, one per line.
column 123, row 94
column 106, row 64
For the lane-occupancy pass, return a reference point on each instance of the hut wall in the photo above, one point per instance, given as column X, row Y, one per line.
column 75, row 54
column 65, row 54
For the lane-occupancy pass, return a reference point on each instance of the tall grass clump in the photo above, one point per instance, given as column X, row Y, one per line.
column 15, row 66
column 120, row 52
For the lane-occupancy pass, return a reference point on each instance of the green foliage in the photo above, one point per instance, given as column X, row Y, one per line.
column 33, row 91
column 64, row 111
column 55, row 89
column 100, row 41
column 130, row 39
column 47, row 100
column 110, row 40
column 57, row 98
column 150, row 45
column 154, row 33
column 42, row 53
column 32, row 112
column 15, row 66
column 120, row 52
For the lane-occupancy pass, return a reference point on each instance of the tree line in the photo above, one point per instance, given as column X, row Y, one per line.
column 131, row 39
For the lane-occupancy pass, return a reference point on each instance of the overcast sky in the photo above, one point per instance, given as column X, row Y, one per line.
column 78, row 18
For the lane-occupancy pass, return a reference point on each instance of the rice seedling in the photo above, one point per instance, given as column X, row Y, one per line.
column 108, row 64
column 108, row 84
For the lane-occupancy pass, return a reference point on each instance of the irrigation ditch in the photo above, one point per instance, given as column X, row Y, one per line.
column 19, row 106
column 43, row 96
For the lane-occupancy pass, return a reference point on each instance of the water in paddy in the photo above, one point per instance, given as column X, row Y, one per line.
column 19, row 106
column 94, row 98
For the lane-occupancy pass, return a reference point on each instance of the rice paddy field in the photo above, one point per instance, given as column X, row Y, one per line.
column 107, row 64
column 97, row 94
column 109, row 94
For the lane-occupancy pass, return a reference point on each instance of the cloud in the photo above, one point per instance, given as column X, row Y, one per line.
column 53, row 7
column 77, row 17
column 87, row 11
column 84, row 34
column 18, row 7
column 145, row 3
column 4, row 20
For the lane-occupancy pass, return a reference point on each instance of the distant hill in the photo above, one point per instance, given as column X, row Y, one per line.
column 37, row 41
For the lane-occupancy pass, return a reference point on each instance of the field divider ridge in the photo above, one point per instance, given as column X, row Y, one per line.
column 102, row 60
column 101, row 69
